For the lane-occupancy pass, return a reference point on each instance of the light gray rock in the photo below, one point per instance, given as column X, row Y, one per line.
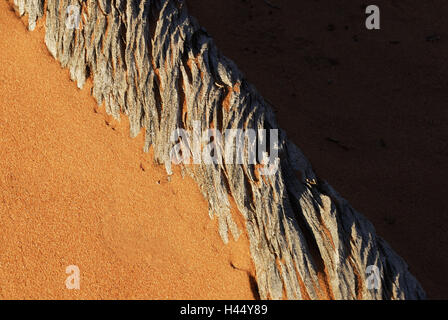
column 153, row 62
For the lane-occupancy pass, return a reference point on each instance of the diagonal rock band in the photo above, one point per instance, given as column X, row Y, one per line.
column 154, row 63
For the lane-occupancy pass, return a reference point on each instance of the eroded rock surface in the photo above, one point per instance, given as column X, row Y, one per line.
column 153, row 62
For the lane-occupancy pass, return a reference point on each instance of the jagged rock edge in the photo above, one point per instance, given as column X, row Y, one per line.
column 153, row 62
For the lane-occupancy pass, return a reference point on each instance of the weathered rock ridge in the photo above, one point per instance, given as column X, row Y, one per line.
column 153, row 62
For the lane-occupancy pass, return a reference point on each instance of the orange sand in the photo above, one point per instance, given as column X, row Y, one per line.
column 76, row 190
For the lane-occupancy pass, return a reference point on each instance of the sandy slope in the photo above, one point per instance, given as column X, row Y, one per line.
column 74, row 189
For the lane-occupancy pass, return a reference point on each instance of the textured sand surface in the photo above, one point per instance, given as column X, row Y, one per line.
column 76, row 190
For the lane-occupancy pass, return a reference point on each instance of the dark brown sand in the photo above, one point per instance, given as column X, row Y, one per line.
column 76, row 190
column 368, row 108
